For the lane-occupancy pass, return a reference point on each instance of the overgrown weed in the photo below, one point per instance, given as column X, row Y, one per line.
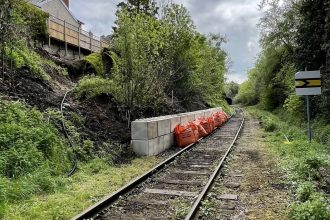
column 302, row 161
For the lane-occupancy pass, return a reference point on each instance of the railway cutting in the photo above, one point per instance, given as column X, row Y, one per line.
column 175, row 188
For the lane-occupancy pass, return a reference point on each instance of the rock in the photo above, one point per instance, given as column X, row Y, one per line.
column 228, row 197
column 229, row 206
column 232, row 185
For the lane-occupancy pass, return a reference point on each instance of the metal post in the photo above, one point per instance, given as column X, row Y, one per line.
column 308, row 119
column 65, row 41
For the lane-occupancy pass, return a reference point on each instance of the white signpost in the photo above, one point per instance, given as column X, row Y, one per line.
column 308, row 83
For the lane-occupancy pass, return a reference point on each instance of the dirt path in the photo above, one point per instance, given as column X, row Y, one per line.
column 251, row 185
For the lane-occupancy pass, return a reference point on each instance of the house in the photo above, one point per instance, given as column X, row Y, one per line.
column 66, row 35
column 58, row 9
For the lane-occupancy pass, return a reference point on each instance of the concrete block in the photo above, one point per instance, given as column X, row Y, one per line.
column 187, row 118
column 207, row 113
column 148, row 147
column 144, row 130
column 156, row 146
column 140, row 147
column 164, row 126
column 168, row 141
column 175, row 120
column 199, row 114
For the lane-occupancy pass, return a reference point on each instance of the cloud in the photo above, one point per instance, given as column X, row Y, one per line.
column 236, row 77
column 235, row 19
column 98, row 16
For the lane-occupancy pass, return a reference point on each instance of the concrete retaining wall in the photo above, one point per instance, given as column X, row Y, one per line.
column 151, row 136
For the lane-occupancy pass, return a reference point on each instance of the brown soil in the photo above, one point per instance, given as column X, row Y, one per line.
column 103, row 120
column 251, row 174
column 36, row 92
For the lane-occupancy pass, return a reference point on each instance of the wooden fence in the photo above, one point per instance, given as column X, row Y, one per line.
column 73, row 35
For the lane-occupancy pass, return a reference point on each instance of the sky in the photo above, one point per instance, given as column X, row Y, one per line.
column 235, row 19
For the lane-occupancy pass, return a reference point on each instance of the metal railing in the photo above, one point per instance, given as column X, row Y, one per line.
column 74, row 35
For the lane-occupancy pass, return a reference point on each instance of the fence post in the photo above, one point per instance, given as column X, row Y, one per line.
column 91, row 41
column 65, row 41
column 79, row 49
column 48, row 23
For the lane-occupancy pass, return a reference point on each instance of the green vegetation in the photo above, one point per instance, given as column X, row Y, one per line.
column 32, row 154
column 91, row 183
column 303, row 163
column 24, row 57
column 153, row 57
column 295, row 37
column 96, row 62
column 34, row 159
column 31, row 19
column 150, row 58
column 23, row 25
column 93, row 86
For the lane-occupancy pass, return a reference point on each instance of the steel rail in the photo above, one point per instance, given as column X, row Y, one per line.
column 109, row 200
column 208, row 186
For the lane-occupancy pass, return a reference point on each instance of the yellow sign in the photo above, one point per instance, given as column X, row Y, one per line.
column 308, row 83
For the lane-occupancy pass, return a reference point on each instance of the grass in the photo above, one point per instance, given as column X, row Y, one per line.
column 34, row 160
column 302, row 161
column 91, row 183
column 90, row 87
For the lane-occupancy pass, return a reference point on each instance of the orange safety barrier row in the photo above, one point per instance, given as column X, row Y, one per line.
column 191, row 132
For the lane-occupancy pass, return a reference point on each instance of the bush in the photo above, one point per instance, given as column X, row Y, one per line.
column 321, row 131
column 294, row 107
column 26, row 141
column 32, row 153
column 269, row 124
column 96, row 62
column 318, row 208
column 23, row 56
column 90, row 87
column 305, row 191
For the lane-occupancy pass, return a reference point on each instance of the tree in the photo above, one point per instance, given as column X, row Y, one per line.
column 310, row 37
column 313, row 46
column 155, row 57
column 278, row 26
column 231, row 89
column 148, row 7
column 140, row 67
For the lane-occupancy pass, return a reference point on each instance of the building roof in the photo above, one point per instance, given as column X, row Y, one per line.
column 40, row 3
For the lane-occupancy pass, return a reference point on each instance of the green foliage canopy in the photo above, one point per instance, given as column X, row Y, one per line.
column 154, row 56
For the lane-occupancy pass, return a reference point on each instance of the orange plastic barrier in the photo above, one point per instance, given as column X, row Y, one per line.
column 217, row 119
column 189, row 133
column 210, row 120
column 205, row 122
column 186, row 134
column 224, row 116
column 201, row 130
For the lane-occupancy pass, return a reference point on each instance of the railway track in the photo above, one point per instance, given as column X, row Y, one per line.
column 175, row 188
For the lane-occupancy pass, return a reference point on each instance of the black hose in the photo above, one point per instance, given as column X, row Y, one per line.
column 74, row 167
